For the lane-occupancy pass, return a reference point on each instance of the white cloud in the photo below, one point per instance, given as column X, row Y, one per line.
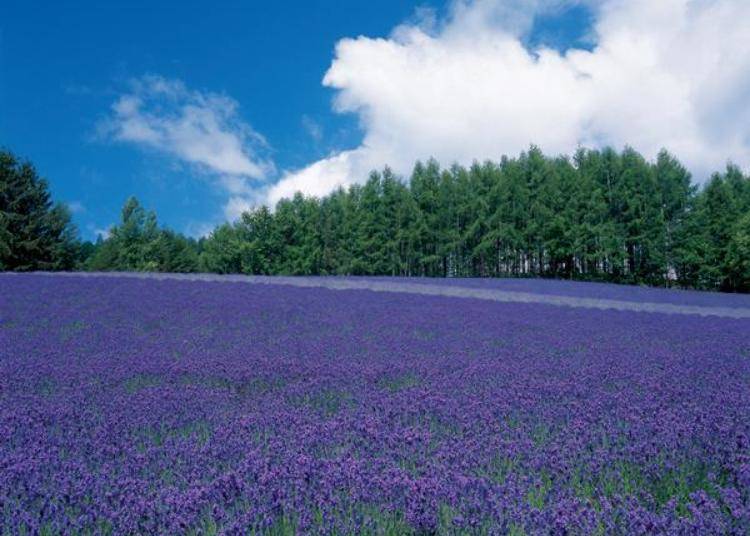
column 324, row 175
column 202, row 129
column 671, row 73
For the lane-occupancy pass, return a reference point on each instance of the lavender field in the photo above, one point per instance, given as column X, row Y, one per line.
column 138, row 406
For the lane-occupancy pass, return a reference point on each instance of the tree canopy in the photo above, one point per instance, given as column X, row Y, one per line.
column 599, row 215
column 35, row 234
column 137, row 244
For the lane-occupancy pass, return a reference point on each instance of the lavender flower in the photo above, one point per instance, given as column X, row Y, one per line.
column 161, row 406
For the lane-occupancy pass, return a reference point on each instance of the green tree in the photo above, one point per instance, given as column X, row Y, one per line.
column 297, row 222
column 222, row 251
column 738, row 255
column 137, row 244
column 424, row 186
column 600, row 215
column 259, row 242
column 676, row 194
column 35, row 234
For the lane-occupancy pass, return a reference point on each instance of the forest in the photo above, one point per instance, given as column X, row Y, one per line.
column 600, row 215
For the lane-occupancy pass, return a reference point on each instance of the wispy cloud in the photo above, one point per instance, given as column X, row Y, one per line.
column 202, row 129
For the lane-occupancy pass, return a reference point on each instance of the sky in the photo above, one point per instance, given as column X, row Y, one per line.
column 205, row 110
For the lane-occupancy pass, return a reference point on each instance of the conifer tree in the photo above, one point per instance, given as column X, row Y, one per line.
column 35, row 234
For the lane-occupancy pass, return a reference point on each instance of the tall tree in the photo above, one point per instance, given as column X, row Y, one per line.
column 424, row 186
column 738, row 255
column 676, row 193
column 35, row 234
column 600, row 215
column 137, row 244
column 222, row 251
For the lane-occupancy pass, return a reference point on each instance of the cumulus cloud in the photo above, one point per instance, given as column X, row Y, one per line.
column 202, row 129
column 672, row 74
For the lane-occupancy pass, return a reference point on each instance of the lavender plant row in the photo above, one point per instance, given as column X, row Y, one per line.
column 134, row 406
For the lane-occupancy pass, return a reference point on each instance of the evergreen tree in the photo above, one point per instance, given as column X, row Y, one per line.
column 602, row 215
column 297, row 222
column 35, row 234
column 485, row 232
column 371, row 237
column 738, row 255
column 676, row 193
column 425, row 191
column 222, row 251
column 137, row 244
column 336, row 231
column 260, row 243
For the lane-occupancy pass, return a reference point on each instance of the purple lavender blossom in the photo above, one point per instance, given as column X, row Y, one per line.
column 161, row 406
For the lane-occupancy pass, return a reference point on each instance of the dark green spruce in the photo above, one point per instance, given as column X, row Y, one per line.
column 35, row 234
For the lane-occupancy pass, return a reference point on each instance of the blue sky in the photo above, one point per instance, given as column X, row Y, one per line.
column 98, row 94
column 63, row 65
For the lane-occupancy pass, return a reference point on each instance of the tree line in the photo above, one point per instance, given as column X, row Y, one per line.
column 600, row 215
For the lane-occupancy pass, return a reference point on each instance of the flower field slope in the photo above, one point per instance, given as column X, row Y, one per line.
column 138, row 406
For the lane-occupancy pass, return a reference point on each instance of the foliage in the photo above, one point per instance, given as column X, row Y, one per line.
column 601, row 215
column 137, row 244
column 34, row 233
